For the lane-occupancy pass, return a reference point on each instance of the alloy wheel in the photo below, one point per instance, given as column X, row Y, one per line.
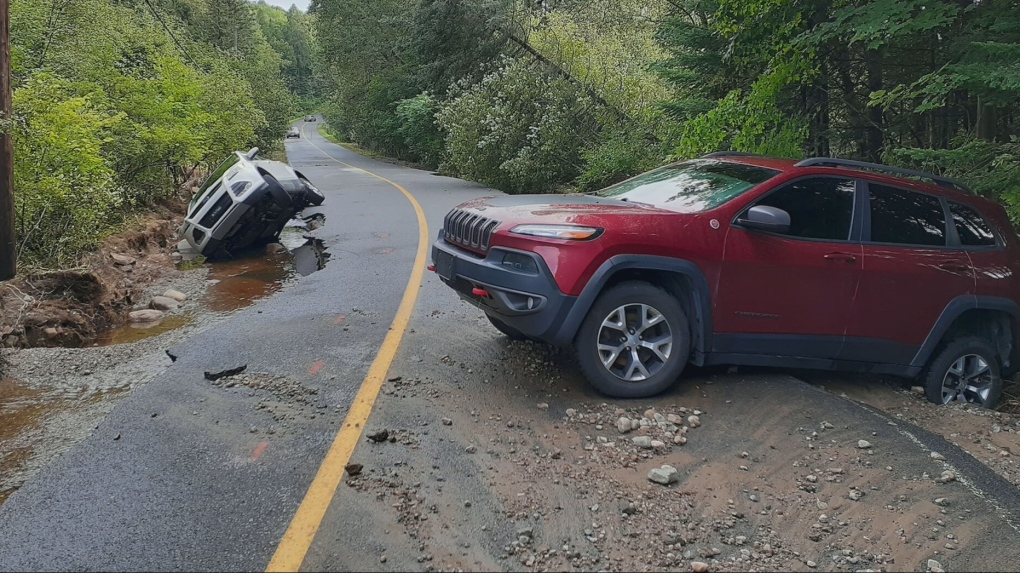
column 635, row 342
column 969, row 379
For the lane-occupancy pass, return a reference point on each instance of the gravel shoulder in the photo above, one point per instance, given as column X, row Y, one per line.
column 502, row 458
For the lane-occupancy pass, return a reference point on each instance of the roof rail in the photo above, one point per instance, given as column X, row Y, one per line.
column 833, row 162
column 733, row 154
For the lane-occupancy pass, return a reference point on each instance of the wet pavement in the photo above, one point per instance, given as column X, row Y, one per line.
column 188, row 473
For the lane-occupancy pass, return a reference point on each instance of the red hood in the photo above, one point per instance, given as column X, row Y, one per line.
column 572, row 209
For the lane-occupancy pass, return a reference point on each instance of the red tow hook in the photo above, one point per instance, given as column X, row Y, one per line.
column 480, row 292
column 431, row 268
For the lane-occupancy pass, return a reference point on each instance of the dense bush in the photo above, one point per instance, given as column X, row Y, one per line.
column 110, row 114
column 419, row 129
column 518, row 131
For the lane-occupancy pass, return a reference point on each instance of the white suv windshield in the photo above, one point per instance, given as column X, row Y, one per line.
column 691, row 186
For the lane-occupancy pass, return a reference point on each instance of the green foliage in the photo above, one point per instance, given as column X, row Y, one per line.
column 419, row 129
column 619, row 155
column 66, row 188
column 518, row 131
column 111, row 114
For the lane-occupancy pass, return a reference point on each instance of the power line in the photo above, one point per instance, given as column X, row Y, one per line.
column 176, row 41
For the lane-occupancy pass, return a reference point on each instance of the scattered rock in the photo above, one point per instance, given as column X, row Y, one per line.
column 658, row 445
column 811, row 564
column 693, row 421
column 947, row 476
column 353, row 469
column 919, row 390
column 122, row 259
column 941, row 501
column 275, row 248
column 642, row 441
column 744, row 454
column 624, row 425
column 543, row 406
column 471, row 449
column 571, row 412
column 863, row 444
column 664, row 475
column 380, row 436
column 699, row 566
column 680, row 440
column 811, row 478
column 856, row 494
column 938, row 457
column 447, row 422
column 650, row 413
column 526, row 531
column 145, row 315
column 117, row 437
column 164, row 303
column 753, row 498
column 176, row 295
column 932, row 564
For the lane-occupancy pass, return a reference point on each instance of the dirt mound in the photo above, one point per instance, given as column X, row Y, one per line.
column 70, row 307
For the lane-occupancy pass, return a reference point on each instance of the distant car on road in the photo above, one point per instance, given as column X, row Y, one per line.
column 294, row 132
column 750, row 260
column 245, row 202
column 309, row 118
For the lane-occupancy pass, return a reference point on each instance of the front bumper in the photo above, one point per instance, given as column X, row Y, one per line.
column 530, row 302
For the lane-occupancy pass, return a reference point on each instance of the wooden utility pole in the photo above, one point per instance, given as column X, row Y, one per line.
column 8, row 246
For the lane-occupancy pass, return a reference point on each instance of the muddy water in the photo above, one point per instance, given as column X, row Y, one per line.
column 239, row 282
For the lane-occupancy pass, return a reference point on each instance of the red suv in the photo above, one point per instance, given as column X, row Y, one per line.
column 743, row 259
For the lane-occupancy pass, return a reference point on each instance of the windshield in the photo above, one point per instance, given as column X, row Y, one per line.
column 215, row 176
column 691, row 186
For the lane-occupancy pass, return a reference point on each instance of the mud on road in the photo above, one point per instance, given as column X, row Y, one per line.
column 507, row 461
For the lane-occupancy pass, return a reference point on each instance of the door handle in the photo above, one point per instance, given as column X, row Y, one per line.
column 955, row 266
column 845, row 257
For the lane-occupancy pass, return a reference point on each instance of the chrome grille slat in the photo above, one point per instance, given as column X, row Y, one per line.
column 468, row 229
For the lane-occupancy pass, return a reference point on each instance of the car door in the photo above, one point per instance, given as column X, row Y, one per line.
column 790, row 294
column 910, row 275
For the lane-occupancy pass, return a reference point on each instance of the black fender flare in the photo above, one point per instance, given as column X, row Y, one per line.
column 701, row 298
column 953, row 310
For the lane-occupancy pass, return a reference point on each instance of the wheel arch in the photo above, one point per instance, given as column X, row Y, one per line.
column 993, row 318
column 682, row 278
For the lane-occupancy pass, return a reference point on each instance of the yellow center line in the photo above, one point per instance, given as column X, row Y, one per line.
column 290, row 554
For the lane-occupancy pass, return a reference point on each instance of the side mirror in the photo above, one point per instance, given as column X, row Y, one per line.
column 766, row 218
column 251, row 153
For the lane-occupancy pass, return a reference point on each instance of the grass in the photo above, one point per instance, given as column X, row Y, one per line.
column 328, row 134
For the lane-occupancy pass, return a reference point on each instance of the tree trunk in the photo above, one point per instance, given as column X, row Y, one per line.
column 873, row 151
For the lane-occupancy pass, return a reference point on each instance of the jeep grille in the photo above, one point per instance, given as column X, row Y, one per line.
column 468, row 229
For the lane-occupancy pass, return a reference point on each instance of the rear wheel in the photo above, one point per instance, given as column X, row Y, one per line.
column 510, row 332
column 634, row 342
column 965, row 370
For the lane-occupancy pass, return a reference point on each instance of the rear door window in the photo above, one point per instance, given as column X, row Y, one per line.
column 971, row 227
column 902, row 217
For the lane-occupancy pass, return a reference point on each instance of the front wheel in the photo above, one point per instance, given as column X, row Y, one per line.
column 964, row 370
column 634, row 342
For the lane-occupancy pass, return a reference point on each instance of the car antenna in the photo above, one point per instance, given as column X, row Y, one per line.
column 252, row 153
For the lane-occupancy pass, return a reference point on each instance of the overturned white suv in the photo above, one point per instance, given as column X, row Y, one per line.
column 245, row 202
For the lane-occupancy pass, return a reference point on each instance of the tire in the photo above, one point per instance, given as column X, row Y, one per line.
column 314, row 196
column 280, row 196
column 968, row 361
column 621, row 378
column 510, row 332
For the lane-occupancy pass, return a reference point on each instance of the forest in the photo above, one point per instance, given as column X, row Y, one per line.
column 117, row 103
column 571, row 95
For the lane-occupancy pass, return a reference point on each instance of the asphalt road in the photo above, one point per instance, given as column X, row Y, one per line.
column 184, row 475
column 179, row 489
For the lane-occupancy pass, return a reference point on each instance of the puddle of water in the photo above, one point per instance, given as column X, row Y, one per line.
column 38, row 425
column 246, row 279
column 133, row 332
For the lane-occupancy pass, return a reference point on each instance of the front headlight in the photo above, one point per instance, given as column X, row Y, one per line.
column 567, row 232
